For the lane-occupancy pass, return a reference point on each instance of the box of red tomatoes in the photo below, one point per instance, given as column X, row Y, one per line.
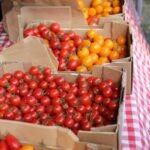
column 88, row 105
column 79, row 49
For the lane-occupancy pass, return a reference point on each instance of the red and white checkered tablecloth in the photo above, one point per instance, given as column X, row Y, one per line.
column 135, row 134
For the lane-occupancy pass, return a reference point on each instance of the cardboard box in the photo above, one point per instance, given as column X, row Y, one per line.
column 98, row 136
column 54, row 138
column 111, row 30
column 116, row 17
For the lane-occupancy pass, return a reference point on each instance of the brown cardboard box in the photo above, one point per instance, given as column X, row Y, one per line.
column 116, row 17
column 109, row 30
column 54, row 138
column 112, row 30
column 98, row 136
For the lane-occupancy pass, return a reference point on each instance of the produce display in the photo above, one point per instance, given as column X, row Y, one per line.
column 40, row 97
column 100, row 8
column 10, row 142
column 76, row 53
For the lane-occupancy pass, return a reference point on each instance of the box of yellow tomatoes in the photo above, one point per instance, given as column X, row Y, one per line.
column 101, row 11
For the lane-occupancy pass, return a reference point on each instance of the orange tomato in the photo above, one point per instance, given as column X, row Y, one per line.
column 27, row 147
column 121, row 40
column 114, row 55
column 86, row 43
column 102, row 60
column 106, row 4
column 95, row 47
column 91, row 11
column 84, row 51
column 124, row 47
column 116, row 10
column 46, row 42
column 115, row 45
column 99, row 39
column 123, row 54
column 116, row 3
column 94, row 57
column 96, row 2
column 108, row 9
column 109, row 43
column 91, row 33
column 74, row 57
column 105, row 51
column 99, row 9
column 71, row 43
column 81, row 69
column 105, row 14
column 87, row 61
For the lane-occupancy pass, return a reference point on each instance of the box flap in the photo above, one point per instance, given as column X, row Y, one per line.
column 62, row 15
column 31, row 50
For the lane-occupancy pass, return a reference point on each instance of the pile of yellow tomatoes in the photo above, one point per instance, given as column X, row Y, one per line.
column 100, row 8
column 95, row 50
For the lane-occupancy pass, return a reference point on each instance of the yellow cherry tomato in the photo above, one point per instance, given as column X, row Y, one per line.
column 91, row 12
column 95, row 48
column 91, row 34
column 99, row 39
column 27, row 147
column 105, row 51
column 82, row 52
column 87, row 61
column 96, row 2
column 94, row 57
column 81, row 69
column 102, row 60
column 109, row 43
column 86, row 43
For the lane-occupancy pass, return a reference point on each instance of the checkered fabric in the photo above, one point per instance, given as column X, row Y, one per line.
column 135, row 134
column 4, row 39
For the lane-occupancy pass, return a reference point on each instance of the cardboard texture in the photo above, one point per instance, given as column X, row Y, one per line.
column 98, row 136
column 117, row 17
column 30, row 49
column 112, row 30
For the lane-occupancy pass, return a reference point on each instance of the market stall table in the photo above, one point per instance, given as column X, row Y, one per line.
column 135, row 131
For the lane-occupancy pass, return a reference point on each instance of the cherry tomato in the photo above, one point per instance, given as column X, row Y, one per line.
column 15, row 100
column 98, row 99
column 77, row 40
column 85, row 100
column 38, row 93
column 113, row 105
column 34, row 70
column 45, row 101
column 86, row 126
column 30, row 100
column 107, row 92
column 8, row 76
column 43, row 84
column 55, row 27
column 18, row 74
column 3, row 82
column 28, row 32
column 2, row 90
column 32, row 84
column 47, row 71
column 73, row 64
column 81, row 109
column 3, row 145
column 69, row 123
column 42, row 27
column 12, row 142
